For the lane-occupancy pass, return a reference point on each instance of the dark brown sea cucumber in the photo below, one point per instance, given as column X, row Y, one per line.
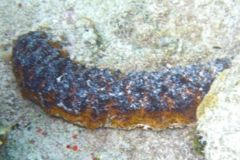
column 94, row 97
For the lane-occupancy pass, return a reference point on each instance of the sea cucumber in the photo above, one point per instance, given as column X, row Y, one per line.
column 95, row 97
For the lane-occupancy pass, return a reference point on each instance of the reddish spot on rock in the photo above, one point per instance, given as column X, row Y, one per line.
column 75, row 148
column 68, row 146
column 94, row 157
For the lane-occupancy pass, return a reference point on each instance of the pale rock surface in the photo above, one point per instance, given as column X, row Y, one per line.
column 219, row 116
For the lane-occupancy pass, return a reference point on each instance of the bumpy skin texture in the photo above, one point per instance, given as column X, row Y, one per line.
column 94, row 97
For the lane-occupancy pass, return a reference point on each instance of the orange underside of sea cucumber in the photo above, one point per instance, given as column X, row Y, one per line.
column 114, row 118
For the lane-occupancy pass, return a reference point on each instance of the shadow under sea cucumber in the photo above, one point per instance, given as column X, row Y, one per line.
column 94, row 97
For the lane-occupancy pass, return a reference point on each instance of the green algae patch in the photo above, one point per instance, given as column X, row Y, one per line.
column 199, row 145
column 211, row 99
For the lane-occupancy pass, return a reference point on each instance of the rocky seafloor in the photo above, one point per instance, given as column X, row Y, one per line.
column 128, row 35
